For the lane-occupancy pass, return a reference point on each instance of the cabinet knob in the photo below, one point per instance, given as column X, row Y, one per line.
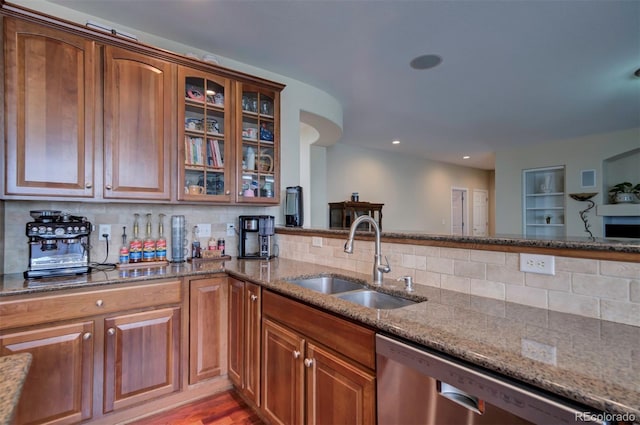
column 99, row 303
column 253, row 297
column 108, row 187
column 239, row 193
column 111, row 331
column 296, row 354
column 228, row 192
column 88, row 185
column 86, row 336
column 308, row 362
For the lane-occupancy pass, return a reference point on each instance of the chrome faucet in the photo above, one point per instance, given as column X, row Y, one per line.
column 378, row 267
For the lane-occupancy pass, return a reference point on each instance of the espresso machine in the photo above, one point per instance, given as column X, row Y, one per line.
column 255, row 236
column 58, row 244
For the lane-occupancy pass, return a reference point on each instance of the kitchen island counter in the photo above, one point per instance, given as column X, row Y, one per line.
column 13, row 371
column 590, row 361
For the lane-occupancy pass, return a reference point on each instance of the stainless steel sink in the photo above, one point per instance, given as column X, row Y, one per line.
column 373, row 299
column 328, row 284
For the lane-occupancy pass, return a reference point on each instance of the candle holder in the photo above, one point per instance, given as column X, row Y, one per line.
column 585, row 197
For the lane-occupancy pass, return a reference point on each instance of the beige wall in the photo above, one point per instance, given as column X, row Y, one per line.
column 585, row 153
column 608, row 290
column 416, row 193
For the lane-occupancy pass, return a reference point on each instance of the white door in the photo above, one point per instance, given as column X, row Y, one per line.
column 459, row 211
column 480, row 212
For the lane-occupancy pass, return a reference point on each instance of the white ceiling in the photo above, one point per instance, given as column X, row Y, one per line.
column 513, row 72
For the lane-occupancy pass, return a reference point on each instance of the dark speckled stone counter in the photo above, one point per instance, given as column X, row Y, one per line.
column 619, row 249
column 593, row 362
column 13, row 371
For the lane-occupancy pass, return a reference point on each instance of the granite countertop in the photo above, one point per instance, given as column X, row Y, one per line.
column 13, row 370
column 591, row 361
column 610, row 245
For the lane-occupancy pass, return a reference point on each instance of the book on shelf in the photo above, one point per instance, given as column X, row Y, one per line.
column 213, row 146
column 199, row 152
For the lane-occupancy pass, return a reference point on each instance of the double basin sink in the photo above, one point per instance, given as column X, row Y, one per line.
column 352, row 291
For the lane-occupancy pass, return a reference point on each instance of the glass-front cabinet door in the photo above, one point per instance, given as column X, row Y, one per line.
column 205, row 149
column 258, row 147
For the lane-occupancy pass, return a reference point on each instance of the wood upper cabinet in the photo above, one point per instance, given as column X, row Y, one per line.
column 58, row 388
column 50, row 89
column 245, row 337
column 142, row 357
column 139, row 130
column 205, row 151
column 257, row 144
column 207, row 328
column 313, row 376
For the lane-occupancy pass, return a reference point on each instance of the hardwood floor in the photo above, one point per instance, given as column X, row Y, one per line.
column 221, row 409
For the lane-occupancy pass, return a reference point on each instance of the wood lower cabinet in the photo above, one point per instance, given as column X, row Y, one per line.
column 58, row 388
column 207, row 328
column 245, row 337
column 142, row 357
column 94, row 351
column 352, row 389
column 283, row 374
column 311, row 375
column 49, row 148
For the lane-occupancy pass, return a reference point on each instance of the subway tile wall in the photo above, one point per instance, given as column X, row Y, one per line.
column 608, row 290
column 16, row 215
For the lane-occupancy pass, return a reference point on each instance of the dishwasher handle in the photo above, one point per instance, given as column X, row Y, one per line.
column 460, row 397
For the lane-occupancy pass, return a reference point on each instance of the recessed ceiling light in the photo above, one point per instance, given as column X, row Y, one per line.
column 466, row 157
column 425, row 62
column 396, row 142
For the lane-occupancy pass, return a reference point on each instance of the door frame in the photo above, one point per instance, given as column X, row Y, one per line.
column 486, row 193
column 465, row 209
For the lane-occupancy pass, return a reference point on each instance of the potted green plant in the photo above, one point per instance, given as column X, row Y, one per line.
column 624, row 192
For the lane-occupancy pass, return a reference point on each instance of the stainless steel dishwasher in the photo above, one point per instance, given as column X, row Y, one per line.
column 416, row 386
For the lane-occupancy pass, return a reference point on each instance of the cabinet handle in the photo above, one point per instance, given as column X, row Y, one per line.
column 296, row 354
column 111, row 331
column 308, row 362
column 86, row 336
column 253, row 297
column 99, row 303
column 108, row 187
column 88, row 185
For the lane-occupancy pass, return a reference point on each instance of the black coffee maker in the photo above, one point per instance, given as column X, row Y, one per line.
column 255, row 236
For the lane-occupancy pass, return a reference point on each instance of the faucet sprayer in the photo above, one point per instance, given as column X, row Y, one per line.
column 378, row 267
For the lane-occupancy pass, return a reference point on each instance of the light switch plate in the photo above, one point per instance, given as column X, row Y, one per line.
column 316, row 241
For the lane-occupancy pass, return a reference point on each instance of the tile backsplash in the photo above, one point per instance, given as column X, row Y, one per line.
column 608, row 290
column 16, row 215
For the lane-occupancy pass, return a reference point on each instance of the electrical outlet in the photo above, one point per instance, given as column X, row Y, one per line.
column 204, row 230
column 538, row 351
column 231, row 229
column 316, row 241
column 104, row 229
column 542, row 264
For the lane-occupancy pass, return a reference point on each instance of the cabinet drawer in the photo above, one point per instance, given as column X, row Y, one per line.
column 347, row 338
column 49, row 308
